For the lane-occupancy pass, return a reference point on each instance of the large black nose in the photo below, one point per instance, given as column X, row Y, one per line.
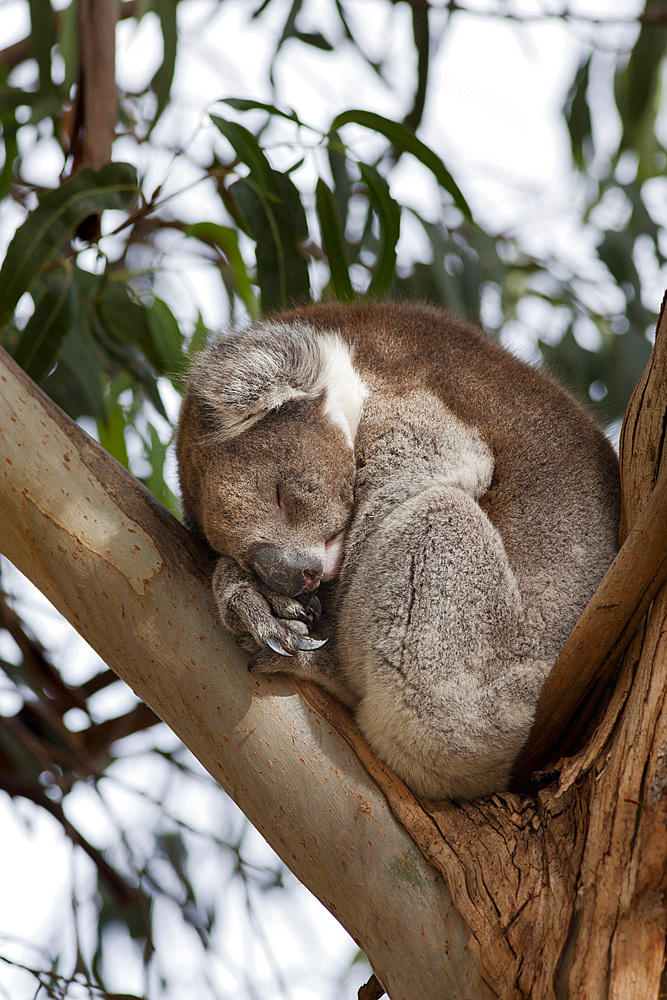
column 286, row 572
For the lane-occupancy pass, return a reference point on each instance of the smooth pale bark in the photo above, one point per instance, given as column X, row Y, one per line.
column 554, row 894
column 134, row 584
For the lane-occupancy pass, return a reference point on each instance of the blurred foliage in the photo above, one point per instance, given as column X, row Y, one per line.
column 85, row 310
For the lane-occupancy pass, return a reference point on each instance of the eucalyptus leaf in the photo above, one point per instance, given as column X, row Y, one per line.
column 167, row 340
column 578, row 116
column 247, row 149
column 407, row 141
column 389, row 215
column 333, row 241
column 243, row 104
column 227, row 239
column 47, row 232
column 41, row 339
column 164, row 75
column 278, row 226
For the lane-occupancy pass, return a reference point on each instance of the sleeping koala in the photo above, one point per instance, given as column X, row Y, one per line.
column 454, row 508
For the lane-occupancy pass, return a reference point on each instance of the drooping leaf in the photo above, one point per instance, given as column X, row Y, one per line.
column 111, row 433
column 226, row 238
column 49, row 229
column 247, row 149
column 156, row 453
column 277, row 223
column 637, row 88
column 342, row 183
column 578, row 115
column 243, row 104
column 164, row 75
column 167, row 340
column 41, row 339
column 404, row 139
column 333, row 241
column 389, row 216
column 79, row 379
column 421, row 34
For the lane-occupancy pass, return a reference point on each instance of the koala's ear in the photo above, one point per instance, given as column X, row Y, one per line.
column 241, row 378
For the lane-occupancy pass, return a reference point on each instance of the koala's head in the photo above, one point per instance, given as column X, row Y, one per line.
column 266, row 452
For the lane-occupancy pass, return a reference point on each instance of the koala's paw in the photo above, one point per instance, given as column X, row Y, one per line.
column 306, row 609
column 265, row 661
column 250, row 616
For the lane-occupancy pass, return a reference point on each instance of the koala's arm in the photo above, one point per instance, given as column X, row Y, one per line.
column 269, row 619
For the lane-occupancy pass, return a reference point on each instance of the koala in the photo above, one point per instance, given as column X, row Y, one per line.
column 387, row 480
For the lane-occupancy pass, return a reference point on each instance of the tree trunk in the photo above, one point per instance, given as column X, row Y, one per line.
column 553, row 894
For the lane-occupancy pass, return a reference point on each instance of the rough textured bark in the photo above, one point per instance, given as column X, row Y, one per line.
column 555, row 893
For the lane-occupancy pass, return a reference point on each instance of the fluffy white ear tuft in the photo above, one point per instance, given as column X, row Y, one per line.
column 243, row 377
column 344, row 389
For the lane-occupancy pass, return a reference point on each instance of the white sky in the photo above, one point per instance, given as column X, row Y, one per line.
column 494, row 116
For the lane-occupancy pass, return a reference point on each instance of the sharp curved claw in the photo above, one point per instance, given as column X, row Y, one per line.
column 307, row 644
column 315, row 605
column 272, row 643
column 304, row 617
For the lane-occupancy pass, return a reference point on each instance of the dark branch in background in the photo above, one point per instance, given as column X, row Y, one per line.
column 656, row 16
column 15, row 54
column 17, row 787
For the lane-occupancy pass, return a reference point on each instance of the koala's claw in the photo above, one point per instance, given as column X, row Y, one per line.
column 308, row 644
column 314, row 606
column 273, row 643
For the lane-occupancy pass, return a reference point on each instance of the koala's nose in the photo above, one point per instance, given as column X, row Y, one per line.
column 289, row 573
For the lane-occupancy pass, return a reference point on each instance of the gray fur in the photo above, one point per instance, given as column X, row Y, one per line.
column 484, row 515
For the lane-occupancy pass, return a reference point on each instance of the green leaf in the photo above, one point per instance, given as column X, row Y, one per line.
column 167, row 339
column 342, row 185
column 163, row 78
column 389, row 215
column 333, row 241
column 51, row 226
column 42, row 37
column 78, row 382
column 156, row 453
column 404, row 139
column 111, row 433
column 637, row 89
column 578, row 115
column 314, row 38
column 247, row 149
column 242, row 104
column 40, row 341
column 226, row 238
column 421, row 34
column 278, row 226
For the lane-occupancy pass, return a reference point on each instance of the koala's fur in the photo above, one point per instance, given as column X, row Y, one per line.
column 458, row 506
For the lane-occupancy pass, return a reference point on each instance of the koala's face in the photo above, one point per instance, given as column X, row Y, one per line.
column 278, row 498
